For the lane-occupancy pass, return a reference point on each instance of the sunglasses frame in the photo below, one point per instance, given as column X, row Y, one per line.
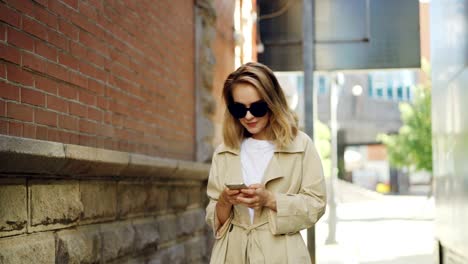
column 253, row 109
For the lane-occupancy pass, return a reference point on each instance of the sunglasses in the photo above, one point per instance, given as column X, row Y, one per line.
column 257, row 109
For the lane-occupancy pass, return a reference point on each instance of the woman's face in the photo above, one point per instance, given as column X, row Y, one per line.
column 246, row 94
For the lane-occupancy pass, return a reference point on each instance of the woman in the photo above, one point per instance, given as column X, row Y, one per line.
column 280, row 167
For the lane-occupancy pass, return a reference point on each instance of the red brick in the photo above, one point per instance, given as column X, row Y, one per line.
column 78, row 109
column 2, row 108
column 71, row 3
column 3, row 32
column 68, row 122
column 86, row 98
column 56, row 103
column 10, row 53
column 16, row 74
column 46, row 17
column 46, row 51
column 68, row 29
column 97, row 59
column 74, row 138
column 9, row 91
column 58, row 71
column 3, row 127
column 19, row 112
column 45, row 117
column 94, row 114
column 102, row 103
column 67, row 91
column 42, row 2
column 34, row 28
column 20, row 39
column 59, row 136
column 9, row 16
column 26, row 7
column 87, row 140
column 77, row 50
column 58, row 40
column 78, row 79
column 33, row 62
column 29, row 130
column 15, row 129
column 67, row 60
column 96, row 87
column 33, row 97
column 86, row 126
column 41, row 132
column 45, row 84
column 88, row 10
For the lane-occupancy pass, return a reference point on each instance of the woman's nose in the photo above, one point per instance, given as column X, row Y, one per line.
column 249, row 116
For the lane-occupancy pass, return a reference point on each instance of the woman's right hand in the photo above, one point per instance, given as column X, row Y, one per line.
column 229, row 197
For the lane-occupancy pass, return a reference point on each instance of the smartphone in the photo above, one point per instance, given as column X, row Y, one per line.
column 236, row 186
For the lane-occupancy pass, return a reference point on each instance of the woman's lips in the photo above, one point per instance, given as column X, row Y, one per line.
column 252, row 124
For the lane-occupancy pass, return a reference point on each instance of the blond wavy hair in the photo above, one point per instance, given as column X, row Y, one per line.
column 282, row 125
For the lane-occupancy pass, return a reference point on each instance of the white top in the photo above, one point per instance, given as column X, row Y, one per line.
column 255, row 155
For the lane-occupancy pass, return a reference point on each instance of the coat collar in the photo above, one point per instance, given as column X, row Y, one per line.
column 295, row 146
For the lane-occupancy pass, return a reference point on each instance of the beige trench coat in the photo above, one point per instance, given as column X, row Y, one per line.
column 295, row 176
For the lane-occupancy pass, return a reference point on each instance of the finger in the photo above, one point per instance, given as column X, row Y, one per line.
column 248, row 191
column 246, row 200
column 232, row 192
column 255, row 186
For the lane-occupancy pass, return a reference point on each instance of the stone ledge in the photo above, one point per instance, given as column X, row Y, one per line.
column 37, row 157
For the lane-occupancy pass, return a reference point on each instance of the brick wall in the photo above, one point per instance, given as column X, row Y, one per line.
column 102, row 73
column 223, row 48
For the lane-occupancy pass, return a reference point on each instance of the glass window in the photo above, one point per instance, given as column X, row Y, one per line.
column 379, row 92
column 408, row 92
column 390, row 92
column 400, row 93
column 322, row 85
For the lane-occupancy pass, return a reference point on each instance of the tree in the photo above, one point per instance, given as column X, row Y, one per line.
column 412, row 146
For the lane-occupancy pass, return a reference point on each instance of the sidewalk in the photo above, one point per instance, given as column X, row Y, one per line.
column 378, row 229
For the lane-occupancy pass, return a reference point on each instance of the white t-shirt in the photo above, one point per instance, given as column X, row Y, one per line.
column 255, row 155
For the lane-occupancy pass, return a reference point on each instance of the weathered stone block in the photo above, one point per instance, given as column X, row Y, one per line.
column 179, row 197
column 158, row 198
column 54, row 204
column 24, row 155
column 118, row 240
column 195, row 196
column 88, row 161
column 35, row 248
column 99, row 200
column 82, row 245
column 173, row 255
column 132, row 198
column 146, row 234
column 13, row 207
column 189, row 222
column 195, row 250
column 167, row 227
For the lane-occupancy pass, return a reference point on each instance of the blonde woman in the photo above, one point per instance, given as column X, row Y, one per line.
column 266, row 181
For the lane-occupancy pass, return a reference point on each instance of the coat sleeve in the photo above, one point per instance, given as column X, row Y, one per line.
column 214, row 189
column 297, row 211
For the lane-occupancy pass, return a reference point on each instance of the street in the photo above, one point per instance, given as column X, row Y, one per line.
column 378, row 229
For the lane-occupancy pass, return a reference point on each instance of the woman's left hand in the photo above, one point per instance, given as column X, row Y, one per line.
column 256, row 197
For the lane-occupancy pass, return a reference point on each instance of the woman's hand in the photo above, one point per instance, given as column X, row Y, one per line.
column 256, row 197
column 229, row 197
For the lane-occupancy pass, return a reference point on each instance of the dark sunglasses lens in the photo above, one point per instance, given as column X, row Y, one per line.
column 237, row 110
column 259, row 109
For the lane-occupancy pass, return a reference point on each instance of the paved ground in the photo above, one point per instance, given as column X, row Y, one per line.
column 378, row 229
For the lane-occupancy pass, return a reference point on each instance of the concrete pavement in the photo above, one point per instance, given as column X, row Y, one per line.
column 378, row 229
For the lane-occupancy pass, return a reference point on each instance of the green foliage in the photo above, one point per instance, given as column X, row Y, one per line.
column 412, row 146
column 322, row 142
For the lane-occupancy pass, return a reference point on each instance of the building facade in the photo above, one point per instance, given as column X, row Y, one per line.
column 107, row 119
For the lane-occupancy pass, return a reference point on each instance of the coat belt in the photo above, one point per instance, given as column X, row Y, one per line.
column 251, row 246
